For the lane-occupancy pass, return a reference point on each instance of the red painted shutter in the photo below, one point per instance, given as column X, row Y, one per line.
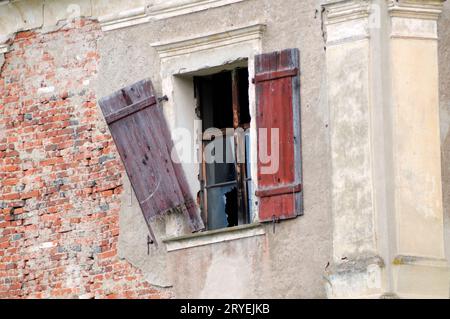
column 277, row 82
column 143, row 140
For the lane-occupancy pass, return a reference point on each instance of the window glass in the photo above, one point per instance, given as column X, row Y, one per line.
column 220, row 163
column 221, row 183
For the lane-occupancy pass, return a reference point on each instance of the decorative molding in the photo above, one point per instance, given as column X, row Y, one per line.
column 209, row 41
column 433, row 274
column 169, row 9
column 346, row 21
column 214, row 237
column 124, row 19
column 423, row 29
column 346, row 10
column 420, row 261
column 418, row 9
column 129, row 13
column 357, row 264
column 359, row 277
column 165, row 10
column 415, row 19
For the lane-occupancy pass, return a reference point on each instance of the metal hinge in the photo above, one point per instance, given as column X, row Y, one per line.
column 275, row 220
column 163, row 99
column 149, row 242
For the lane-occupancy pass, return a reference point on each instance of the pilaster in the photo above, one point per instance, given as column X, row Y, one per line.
column 420, row 268
column 357, row 269
column 385, row 145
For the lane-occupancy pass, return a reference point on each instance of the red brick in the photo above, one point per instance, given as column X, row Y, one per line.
column 11, row 196
column 25, row 35
column 108, row 254
column 61, row 208
column 10, row 99
column 107, row 193
column 31, row 194
column 11, row 181
column 10, row 168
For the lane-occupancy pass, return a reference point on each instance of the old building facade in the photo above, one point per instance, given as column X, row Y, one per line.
column 361, row 91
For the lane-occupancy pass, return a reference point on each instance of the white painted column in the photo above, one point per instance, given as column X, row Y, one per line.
column 387, row 192
column 420, row 268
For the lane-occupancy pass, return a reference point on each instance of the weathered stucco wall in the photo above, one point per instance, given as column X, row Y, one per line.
column 444, row 79
column 287, row 263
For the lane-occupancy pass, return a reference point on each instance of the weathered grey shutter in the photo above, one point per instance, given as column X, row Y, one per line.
column 143, row 140
column 277, row 81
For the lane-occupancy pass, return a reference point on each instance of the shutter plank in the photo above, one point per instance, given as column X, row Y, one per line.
column 277, row 84
column 133, row 108
column 144, row 143
column 158, row 159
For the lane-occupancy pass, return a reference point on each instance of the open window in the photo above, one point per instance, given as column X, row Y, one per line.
column 142, row 134
column 225, row 183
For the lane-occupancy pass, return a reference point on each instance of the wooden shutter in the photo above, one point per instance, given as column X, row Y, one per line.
column 277, row 84
column 143, row 140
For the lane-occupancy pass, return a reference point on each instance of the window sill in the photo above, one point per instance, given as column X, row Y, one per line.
column 214, row 236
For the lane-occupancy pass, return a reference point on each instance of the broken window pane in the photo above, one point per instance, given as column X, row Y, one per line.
column 224, row 107
column 222, row 207
column 219, row 157
column 221, row 183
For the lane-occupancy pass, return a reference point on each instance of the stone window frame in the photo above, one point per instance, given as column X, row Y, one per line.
column 180, row 59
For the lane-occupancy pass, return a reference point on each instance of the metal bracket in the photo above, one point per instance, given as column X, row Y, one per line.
column 275, row 220
column 149, row 242
column 163, row 99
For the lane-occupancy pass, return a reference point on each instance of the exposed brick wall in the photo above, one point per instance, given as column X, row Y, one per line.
column 60, row 174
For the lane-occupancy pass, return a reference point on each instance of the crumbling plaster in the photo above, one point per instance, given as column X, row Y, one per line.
column 287, row 263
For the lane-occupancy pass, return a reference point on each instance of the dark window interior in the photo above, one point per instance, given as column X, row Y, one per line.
column 243, row 96
column 224, row 183
column 215, row 100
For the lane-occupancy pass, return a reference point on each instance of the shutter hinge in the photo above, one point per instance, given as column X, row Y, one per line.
column 163, row 99
column 149, row 242
column 275, row 220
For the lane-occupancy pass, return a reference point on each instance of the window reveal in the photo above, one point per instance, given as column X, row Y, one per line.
column 223, row 106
